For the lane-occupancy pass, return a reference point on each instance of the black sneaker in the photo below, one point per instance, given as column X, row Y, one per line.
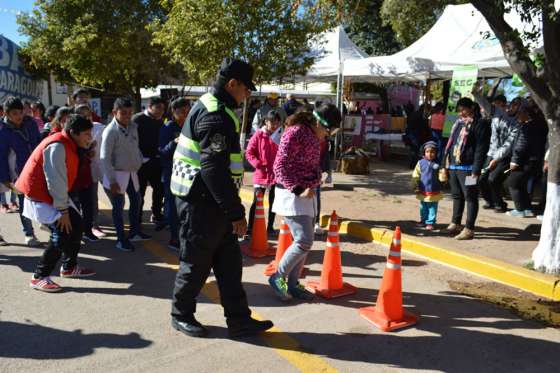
column 500, row 209
column 90, row 237
column 248, row 326
column 139, row 237
column 125, row 246
column 189, row 327
column 488, row 206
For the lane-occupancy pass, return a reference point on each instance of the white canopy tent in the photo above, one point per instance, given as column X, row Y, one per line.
column 461, row 36
column 332, row 47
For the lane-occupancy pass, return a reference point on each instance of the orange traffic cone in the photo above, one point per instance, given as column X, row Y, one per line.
column 259, row 246
column 388, row 313
column 331, row 284
column 284, row 241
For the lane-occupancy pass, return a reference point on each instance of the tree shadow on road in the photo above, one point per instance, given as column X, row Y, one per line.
column 454, row 334
column 32, row 341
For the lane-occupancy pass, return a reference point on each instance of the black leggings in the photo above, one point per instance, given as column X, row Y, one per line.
column 461, row 194
column 271, row 215
column 517, row 183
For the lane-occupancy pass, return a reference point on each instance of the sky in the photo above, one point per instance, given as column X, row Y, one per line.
column 8, row 11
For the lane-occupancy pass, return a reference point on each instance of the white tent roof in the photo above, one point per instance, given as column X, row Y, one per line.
column 332, row 47
column 457, row 38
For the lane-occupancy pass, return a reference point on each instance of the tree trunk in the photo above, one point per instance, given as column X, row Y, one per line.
column 546, row 256
column 137, row 99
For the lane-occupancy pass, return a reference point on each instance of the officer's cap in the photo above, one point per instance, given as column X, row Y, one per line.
column 237, row 69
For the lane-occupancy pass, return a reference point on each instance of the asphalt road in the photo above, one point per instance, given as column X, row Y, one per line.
column 118, row 321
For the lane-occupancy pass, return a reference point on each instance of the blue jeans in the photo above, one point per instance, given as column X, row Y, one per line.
column 26, row 223
column 170, row 210
column 4, row 200
column 428, row 212
column 117, row 200
column 293, row 260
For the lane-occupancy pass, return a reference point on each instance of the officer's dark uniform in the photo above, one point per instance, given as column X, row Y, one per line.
column 206, row 165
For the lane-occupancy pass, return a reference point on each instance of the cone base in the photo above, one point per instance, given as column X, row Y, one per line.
column 248, row 251
column 315, row 288
column 380, row 320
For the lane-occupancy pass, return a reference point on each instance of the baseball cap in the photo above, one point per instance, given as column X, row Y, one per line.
column 237, row 69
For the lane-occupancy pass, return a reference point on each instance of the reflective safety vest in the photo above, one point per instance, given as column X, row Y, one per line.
column 186, row 159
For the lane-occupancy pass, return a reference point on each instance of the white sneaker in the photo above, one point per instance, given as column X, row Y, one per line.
column 318, row 229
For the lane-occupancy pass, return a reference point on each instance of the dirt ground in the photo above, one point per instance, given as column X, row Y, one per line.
column 384, row 199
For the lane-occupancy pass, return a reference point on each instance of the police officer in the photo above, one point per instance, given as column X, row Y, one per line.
column 207, row 172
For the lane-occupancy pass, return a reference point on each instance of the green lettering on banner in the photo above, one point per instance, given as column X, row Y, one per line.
column 462, row 83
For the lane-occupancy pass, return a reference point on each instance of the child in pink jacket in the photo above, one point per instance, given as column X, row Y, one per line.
column 261, row 153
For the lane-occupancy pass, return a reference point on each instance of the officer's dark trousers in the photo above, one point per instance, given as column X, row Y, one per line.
column 491, row 183
column 150, row 173
column 207, row 242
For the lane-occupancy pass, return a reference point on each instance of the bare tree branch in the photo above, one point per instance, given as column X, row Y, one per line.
column 515, row 51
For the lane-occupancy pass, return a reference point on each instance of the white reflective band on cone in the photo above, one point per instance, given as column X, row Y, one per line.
column 260, row 199
column 396, row 242
column 333, row 234
column 332, row 244
column 259, row 216
column 283, row 231
column 394, row 253
column 393, row 265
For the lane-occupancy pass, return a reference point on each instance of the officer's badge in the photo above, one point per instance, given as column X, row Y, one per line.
column 218, row 143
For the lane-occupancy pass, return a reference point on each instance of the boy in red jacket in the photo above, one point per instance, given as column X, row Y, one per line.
column 46, row 180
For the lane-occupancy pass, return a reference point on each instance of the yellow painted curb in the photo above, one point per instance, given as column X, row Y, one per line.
column 534, row 282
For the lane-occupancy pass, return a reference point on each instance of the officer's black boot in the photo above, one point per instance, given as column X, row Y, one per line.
column 248, row 326
column 190, row 327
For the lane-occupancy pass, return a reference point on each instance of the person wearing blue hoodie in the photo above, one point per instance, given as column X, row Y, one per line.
column 168, row 139
column 19, row 135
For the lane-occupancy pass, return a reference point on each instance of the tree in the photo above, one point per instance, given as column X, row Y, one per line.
column 273, row 35
column 102, row 43
column 366, row 28
column 410, row 19
column 542, row 78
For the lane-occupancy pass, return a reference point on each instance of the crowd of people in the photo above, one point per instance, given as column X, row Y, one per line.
column 493, row 146
column 53, row 160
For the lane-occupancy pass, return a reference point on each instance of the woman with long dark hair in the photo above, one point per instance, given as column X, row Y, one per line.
column 298, row 173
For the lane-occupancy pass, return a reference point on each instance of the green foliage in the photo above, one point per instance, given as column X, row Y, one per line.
column 102, row 43
column 273, row 35
column 410, row 19
column 366, row 28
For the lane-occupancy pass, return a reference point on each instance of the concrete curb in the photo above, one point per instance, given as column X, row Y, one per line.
column 540, row 284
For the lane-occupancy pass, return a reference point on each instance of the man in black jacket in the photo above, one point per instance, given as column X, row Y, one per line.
column 149, row 124
column 207, row 167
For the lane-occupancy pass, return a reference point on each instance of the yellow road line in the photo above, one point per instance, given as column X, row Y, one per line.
column 284, row 345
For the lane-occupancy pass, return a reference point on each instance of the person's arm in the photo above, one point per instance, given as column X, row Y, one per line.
column 55, row 170
column 415, row 177
column 252, row 152
column 521, row 147
column 108, row 140
column 284, row 158
column 482, row 133
column 167, row 143
column 4, row 153
column 504, row 151
column 217, row 139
